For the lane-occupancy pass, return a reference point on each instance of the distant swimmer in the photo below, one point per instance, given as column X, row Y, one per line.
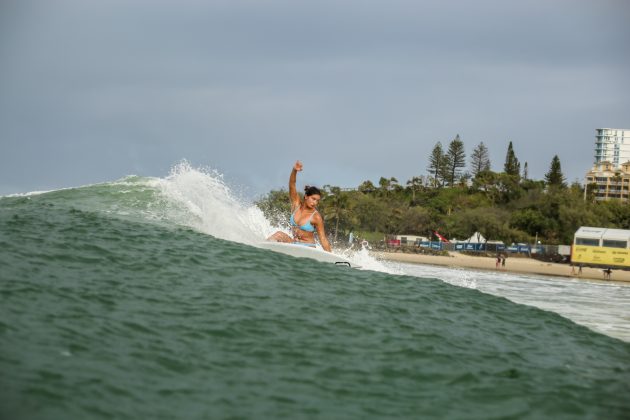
column 305, row 219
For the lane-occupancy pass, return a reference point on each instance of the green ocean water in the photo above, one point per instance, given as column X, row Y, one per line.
column 112, row 308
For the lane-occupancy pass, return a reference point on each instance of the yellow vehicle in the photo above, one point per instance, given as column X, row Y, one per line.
column 601, row 247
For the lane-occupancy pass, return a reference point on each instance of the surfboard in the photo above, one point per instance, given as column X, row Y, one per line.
column 302, row 251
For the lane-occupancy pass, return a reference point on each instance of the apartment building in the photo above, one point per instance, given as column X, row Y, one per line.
column 609, row 182
column 612, row 145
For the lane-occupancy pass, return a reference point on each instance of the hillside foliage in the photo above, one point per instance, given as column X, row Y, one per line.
column 500, row 205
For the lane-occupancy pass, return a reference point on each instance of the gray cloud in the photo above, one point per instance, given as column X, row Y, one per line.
column 93, row 91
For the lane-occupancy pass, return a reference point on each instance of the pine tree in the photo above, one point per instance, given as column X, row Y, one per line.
column 455, row 160
column 436, row 161
column 555, row 177
column 480, row 159
column 511, row 167
column 444, row 172
column 525, row 171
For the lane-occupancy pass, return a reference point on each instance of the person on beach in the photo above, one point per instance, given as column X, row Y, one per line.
column 305, row 219
column 503, row 263
column 580, row 270
column 607, row 273
column 498, row 261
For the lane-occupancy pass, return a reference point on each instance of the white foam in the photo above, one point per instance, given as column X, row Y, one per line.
column 363, row 258
column 202, row 200
column 210, row 207
column 600, row 306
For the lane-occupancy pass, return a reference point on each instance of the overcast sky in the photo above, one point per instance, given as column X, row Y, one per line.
column 91, row 91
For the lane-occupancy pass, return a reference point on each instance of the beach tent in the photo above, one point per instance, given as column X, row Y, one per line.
column 476, row 238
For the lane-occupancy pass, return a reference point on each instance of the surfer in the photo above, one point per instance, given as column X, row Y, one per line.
column 305, row 219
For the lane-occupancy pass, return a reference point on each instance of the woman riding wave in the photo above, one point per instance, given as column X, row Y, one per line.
column 305, row 219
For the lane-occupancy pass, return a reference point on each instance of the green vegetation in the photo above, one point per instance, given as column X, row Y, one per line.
column 480, row 160
column 554, row 176
column 455, row 160
column 500, row 205
column 512, row 166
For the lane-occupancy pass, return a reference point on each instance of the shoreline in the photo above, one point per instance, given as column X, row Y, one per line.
column 513, row 265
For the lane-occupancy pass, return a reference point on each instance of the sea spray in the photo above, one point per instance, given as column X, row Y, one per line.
column 210, row 206
column 367, row 261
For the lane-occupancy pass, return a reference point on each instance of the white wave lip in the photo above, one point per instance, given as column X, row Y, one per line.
column 210, row 207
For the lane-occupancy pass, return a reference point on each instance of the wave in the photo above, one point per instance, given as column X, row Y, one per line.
column 196, row 198
column 201, row 200
column 124, row 299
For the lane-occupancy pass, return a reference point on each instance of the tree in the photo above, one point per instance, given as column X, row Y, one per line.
column 531, row 221
column 394, row 185
column 619, row 213
column 372, row 213
column 525, row 172
column 555, row 177
column 511, row 167
column 336, row 206
column 493, row 223
column 388, row 184
column 384, row 185
column 444, row 171
column 416, row 221
column 436, row 163
column 276, row 206
column 463, row 179
column 366, row 187
column 456, row 160
column 480, row 159
column 414, row 184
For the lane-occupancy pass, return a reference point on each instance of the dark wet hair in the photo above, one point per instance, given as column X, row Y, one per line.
column 310, row 190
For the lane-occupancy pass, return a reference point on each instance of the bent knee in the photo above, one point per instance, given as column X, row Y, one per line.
column 280, row 237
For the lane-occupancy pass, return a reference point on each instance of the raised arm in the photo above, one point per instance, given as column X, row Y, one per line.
column 294, row 196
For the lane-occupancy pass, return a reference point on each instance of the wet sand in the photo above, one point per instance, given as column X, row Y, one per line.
column 512, row 265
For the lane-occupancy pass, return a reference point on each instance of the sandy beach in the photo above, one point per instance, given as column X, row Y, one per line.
column 513, row 265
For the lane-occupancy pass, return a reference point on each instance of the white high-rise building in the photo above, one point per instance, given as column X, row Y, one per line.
column 612, row 145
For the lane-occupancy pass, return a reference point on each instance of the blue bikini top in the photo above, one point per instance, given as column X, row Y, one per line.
column 308, row 227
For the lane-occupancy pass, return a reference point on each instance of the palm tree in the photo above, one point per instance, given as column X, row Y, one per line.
column 366, row 187
column 337, row 207
column 414, row 184
column 384, row 185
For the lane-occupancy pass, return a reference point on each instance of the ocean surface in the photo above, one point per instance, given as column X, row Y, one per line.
column 146, row 298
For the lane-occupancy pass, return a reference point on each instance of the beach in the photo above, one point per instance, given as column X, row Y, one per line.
column 512, row 265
